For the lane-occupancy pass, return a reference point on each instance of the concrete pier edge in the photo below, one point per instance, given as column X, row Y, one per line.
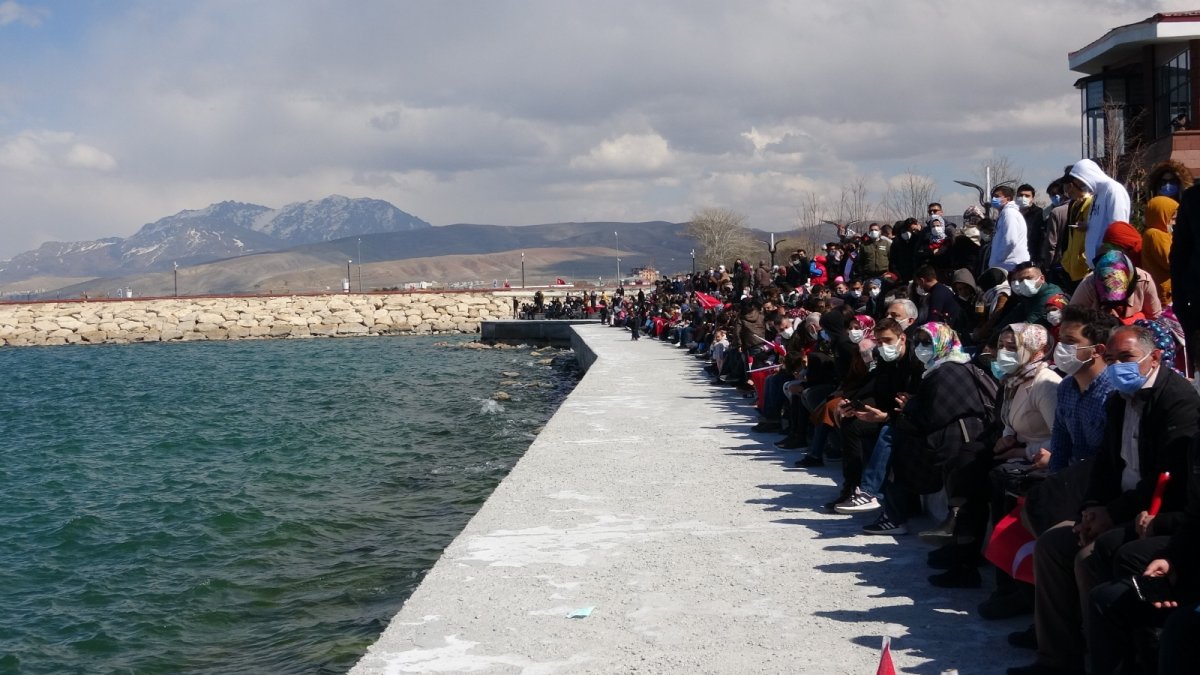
column 681, row 543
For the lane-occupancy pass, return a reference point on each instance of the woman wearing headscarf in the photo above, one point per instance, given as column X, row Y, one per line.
column 1120, row 288
column 1030, row 395
column 1124, row 236
column 1156, row 243
column 952, row 408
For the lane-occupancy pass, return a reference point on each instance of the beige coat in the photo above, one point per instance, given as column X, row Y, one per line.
column 1030, row 414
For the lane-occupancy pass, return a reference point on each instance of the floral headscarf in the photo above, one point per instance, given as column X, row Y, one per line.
column 946, row 346
column 866, row 346
column 1114, row 277
column 933, row 222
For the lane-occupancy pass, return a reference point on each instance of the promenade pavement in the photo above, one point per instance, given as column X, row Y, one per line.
column 690, row 544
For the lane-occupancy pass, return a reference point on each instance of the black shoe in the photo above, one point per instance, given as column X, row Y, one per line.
column 945, row 557
column 958, row 577
column 809, row 461
column 831, row 507
column 1008, row 604
column 789, row 444
column 1024, row 639
column 765, row 427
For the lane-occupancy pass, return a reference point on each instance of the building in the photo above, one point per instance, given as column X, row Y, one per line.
column 1138, row 95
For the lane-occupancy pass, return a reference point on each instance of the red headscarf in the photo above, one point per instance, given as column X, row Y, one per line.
column 1125, row 237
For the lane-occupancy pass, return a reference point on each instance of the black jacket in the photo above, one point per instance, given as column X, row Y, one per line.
column 1168, row 424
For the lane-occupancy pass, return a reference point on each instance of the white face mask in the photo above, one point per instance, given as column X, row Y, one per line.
column 971, row 231
column 787, row 333
column 924, row 353
column 1066, row 358
column 1007, row 361
column 889, row 352
column 1054, row 317
column 921, row 291
column 856, row 335
column 906, row 235
column 1024, row 202
column 939, row 230
column 1026, row 288
column 874, row 234
column 874, row 292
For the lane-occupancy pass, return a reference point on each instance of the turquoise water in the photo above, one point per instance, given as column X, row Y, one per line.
column 240, row 507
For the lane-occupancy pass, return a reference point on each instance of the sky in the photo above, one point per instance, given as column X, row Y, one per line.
column 114, row 113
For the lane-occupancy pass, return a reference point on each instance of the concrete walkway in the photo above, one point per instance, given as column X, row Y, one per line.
column 695, row 544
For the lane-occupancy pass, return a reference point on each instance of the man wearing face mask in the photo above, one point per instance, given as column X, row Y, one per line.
column 1150, row 422
column 1031, row 293
column 874, row 257
column 1010, row 246
column 1056, row 218
column 937, row 301
column 1035, row 224
column 904, row 252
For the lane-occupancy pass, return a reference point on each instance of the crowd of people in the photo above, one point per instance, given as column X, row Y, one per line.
column 1029, row 363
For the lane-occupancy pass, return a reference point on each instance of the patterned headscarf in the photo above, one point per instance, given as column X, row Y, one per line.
column 866, row 346
column 946, row 346
column 973, row 211
column 935, row 221
column 1163, row 339
column 1114, row 276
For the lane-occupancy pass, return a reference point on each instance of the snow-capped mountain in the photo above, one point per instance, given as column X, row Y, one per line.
column 222, row 230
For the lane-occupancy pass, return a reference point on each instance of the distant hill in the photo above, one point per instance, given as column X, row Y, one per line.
column 216, row 232
column 451, row 253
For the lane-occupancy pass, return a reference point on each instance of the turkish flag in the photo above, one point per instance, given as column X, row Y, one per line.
column 885, row 659
column 1011, row 547
column 707, row 301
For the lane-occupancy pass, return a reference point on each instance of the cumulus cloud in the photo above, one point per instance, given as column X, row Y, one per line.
column 533, row 111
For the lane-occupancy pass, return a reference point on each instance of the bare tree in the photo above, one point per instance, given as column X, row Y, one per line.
column 853, row 203
column 1003, row 172
column 908, row 195
column 810, row 218
column 723, row 235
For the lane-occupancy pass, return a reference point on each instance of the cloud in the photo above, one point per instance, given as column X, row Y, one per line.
column 627, row 153
column 521, row 112
column 12, row 11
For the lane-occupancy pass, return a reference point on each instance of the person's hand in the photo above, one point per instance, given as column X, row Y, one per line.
column 1142, row 524
column 1160, row 568
column 871, row 415
column 901, row 400
column 1041, row 459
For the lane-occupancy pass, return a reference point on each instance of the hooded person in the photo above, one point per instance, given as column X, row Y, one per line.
column 1120, row 288
column 1156, row 243
column 1168, row 179
column 1110, row 203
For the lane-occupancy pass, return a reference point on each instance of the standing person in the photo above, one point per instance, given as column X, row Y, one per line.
column 903, row 254
column 1056, row 232
column 964, row 250
column 1010, row 247
column 1156, row 243
column 874, row 259
column 1110, row 203
column 1035, row 223
column 1185, row 269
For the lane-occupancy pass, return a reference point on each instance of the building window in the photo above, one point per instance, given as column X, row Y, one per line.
column 1173, row 101
column 1103, row 117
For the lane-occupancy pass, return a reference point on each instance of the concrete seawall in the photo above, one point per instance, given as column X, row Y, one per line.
column 181, row 319
column 681, row 543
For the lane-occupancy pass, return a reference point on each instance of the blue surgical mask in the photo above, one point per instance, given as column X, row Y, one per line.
column 1168, row 189
column 1127, row 378
column 824, row 335
column 1056, row 200
column 996, row 203
column 996, row 371
column 924, row 353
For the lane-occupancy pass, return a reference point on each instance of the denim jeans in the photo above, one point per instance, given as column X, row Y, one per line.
column 878, row 463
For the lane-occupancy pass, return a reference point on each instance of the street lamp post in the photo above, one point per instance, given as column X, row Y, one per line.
column 693, row 262
column 177, row 279
column 360, row 264
column 774, row 246
column 618, row 258
column 522, row 269
column 348, row 276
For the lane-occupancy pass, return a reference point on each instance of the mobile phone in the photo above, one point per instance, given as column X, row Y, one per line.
column 858, row 405
column 1151, row 589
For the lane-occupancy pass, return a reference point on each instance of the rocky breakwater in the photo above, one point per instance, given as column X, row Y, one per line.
column 181, row 319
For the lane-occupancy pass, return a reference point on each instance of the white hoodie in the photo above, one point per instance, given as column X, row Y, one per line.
column 1110, row 204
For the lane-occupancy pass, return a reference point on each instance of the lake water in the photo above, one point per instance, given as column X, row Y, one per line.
column 260, row 506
